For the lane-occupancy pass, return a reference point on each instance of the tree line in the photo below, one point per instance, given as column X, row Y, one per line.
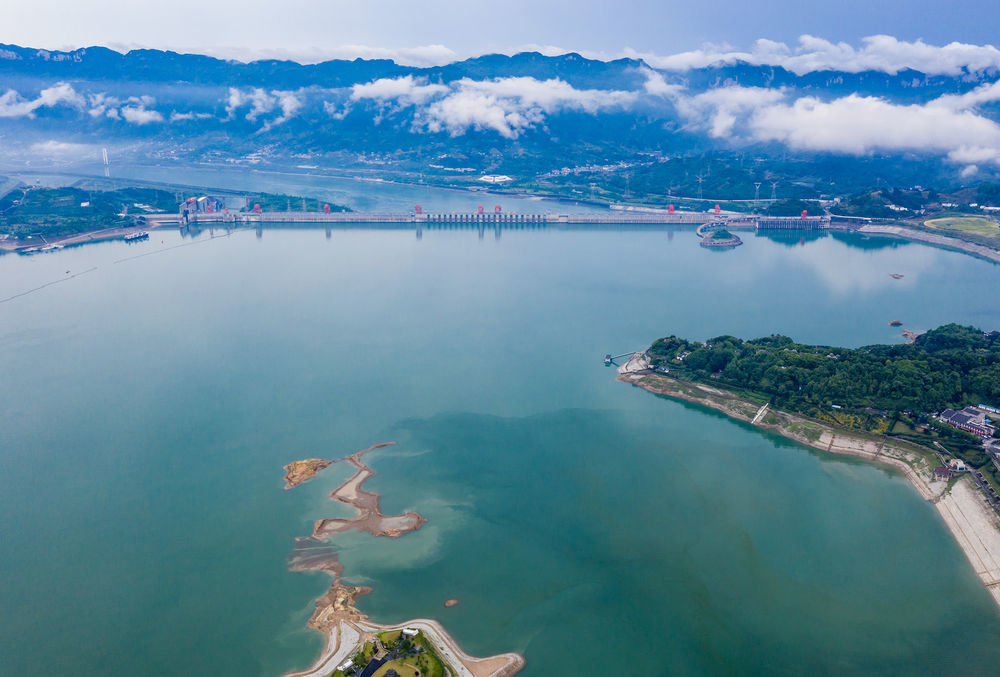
column 951, row 366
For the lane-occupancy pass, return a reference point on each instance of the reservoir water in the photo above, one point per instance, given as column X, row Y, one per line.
column 148, row 404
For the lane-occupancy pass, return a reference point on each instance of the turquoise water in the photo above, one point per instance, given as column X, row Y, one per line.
column 148, row 405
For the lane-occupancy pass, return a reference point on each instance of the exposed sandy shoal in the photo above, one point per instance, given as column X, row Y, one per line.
column 973, row 523
column 313, row 553
column 298, row 472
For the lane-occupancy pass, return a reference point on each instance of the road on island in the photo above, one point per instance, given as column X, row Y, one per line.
column 340, row 647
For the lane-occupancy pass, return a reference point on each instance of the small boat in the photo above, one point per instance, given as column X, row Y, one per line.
column 135, row 237
column 607, row 359
column 895, row 323
column 896, row 276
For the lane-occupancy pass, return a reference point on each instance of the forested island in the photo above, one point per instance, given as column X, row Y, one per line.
column 882, row 389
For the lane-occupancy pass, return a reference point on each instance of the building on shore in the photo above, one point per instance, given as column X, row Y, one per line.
column 970, row 420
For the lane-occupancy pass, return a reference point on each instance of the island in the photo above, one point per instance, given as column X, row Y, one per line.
column 720, row 237
column 927, row 408
column 355, row 645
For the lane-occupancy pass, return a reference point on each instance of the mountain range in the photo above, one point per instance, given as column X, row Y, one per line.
column 525, row 114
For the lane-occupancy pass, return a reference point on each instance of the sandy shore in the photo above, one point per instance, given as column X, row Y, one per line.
column 933, row 238
column 973, row 523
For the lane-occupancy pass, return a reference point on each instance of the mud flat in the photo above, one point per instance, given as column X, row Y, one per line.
column 973, row 523
column 336, row 614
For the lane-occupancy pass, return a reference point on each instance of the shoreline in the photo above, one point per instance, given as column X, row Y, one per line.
column 958, row 244
column 80, row 238
column 973, row 524
column 336, row 614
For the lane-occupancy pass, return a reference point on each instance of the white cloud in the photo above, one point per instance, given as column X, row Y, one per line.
column 468, row 109
column 140, row 115
column 103, row 105
column 262, row 103
column 878, row 52
column 656, row 84
column 949, row 125
column 63, row 148
column 548, row 95
column 509, row 106
column 406, row 90
column 723, row 106
column 234, row 101
column 258, row 99
column 13, row 105
column 335, row 111
column 289, row 104
column 183, row 117
column 860, row 124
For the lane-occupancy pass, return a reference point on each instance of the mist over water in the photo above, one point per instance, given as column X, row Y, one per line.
column 148, row 406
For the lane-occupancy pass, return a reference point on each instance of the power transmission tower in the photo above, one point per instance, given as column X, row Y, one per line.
column 774, row 191
column 701, row 178
column 756, row 194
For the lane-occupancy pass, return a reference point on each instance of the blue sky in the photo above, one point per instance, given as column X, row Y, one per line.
column 317, row 27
